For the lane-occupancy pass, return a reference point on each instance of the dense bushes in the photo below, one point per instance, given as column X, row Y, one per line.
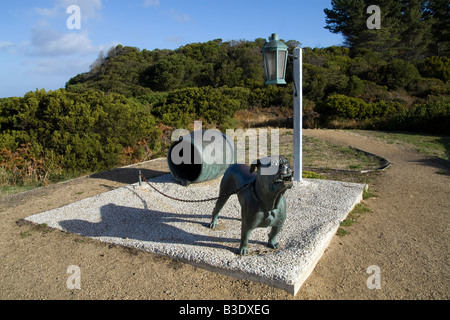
column 341, row 106
column 210, row 81
column 213, row 106
column 436, row 67
column 430, row 117
column 134, row 72
column 73, row 132
column 399, row 74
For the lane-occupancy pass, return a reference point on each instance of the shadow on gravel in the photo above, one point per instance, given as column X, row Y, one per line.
column 146, row 224
column 127, row 175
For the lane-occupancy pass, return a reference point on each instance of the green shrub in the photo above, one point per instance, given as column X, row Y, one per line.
column 384, row 108
column 80, row 132
column 271, row 96
column 214, row 106
column 355, row 86
column 429, row 117
column 320, row 82
column 399, row 74
column 339, row 111
column 429, row 86
column 436, row 67
column 339, row 105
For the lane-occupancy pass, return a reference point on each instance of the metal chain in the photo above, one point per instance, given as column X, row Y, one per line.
column 201, row 200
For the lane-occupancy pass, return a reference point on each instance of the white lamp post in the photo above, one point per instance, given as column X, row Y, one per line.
column 275, row 59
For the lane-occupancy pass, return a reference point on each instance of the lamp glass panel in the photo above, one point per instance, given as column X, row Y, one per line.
column 281, row 64
column 271, row 65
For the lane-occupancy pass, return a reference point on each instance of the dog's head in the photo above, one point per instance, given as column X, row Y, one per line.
column 274, row 172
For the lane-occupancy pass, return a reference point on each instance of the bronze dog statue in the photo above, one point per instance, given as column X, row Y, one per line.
column 262, row 203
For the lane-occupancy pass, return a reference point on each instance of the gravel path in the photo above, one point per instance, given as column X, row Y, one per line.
column 406, row 235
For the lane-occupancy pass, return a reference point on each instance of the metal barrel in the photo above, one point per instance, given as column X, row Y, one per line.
column 200, row 156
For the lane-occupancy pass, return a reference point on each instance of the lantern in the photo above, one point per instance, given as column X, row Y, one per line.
column 275, row 55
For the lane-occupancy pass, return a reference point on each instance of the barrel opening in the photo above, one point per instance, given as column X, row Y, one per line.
column 185, row 171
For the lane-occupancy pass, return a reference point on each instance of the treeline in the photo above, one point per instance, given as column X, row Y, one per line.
column 214, row 80
column 134, row 72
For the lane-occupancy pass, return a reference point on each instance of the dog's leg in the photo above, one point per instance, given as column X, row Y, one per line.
column 273, row 237
column 219, row 205
column 245, row 235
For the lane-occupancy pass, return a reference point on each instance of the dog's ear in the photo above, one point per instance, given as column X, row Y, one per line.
column 254, row 165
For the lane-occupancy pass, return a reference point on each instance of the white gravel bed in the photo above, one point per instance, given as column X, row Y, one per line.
column 140, row 217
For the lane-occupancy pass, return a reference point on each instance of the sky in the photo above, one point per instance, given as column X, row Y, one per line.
column 43, row 43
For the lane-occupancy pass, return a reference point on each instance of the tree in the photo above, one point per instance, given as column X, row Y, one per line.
column 439, row 12
column 416, row 37
column 405, row 29
column 349, row 17
column 99, row 61
column 346, row 17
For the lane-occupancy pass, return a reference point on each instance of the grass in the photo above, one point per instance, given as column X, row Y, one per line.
column 42, row 228
column 367, row 193
column 312, row 175
column 25, row 234
column 10, row 189
column 431, row 145
column 342, row 232
column 323, row 155
column 352, row 217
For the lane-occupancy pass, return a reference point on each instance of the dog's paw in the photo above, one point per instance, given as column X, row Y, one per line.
column 274, row 245
column 213, row 225
column 243, row 251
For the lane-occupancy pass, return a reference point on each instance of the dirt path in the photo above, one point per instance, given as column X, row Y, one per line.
column 406, row 235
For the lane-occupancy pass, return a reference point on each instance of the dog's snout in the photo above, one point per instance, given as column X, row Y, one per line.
column 285, row 170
